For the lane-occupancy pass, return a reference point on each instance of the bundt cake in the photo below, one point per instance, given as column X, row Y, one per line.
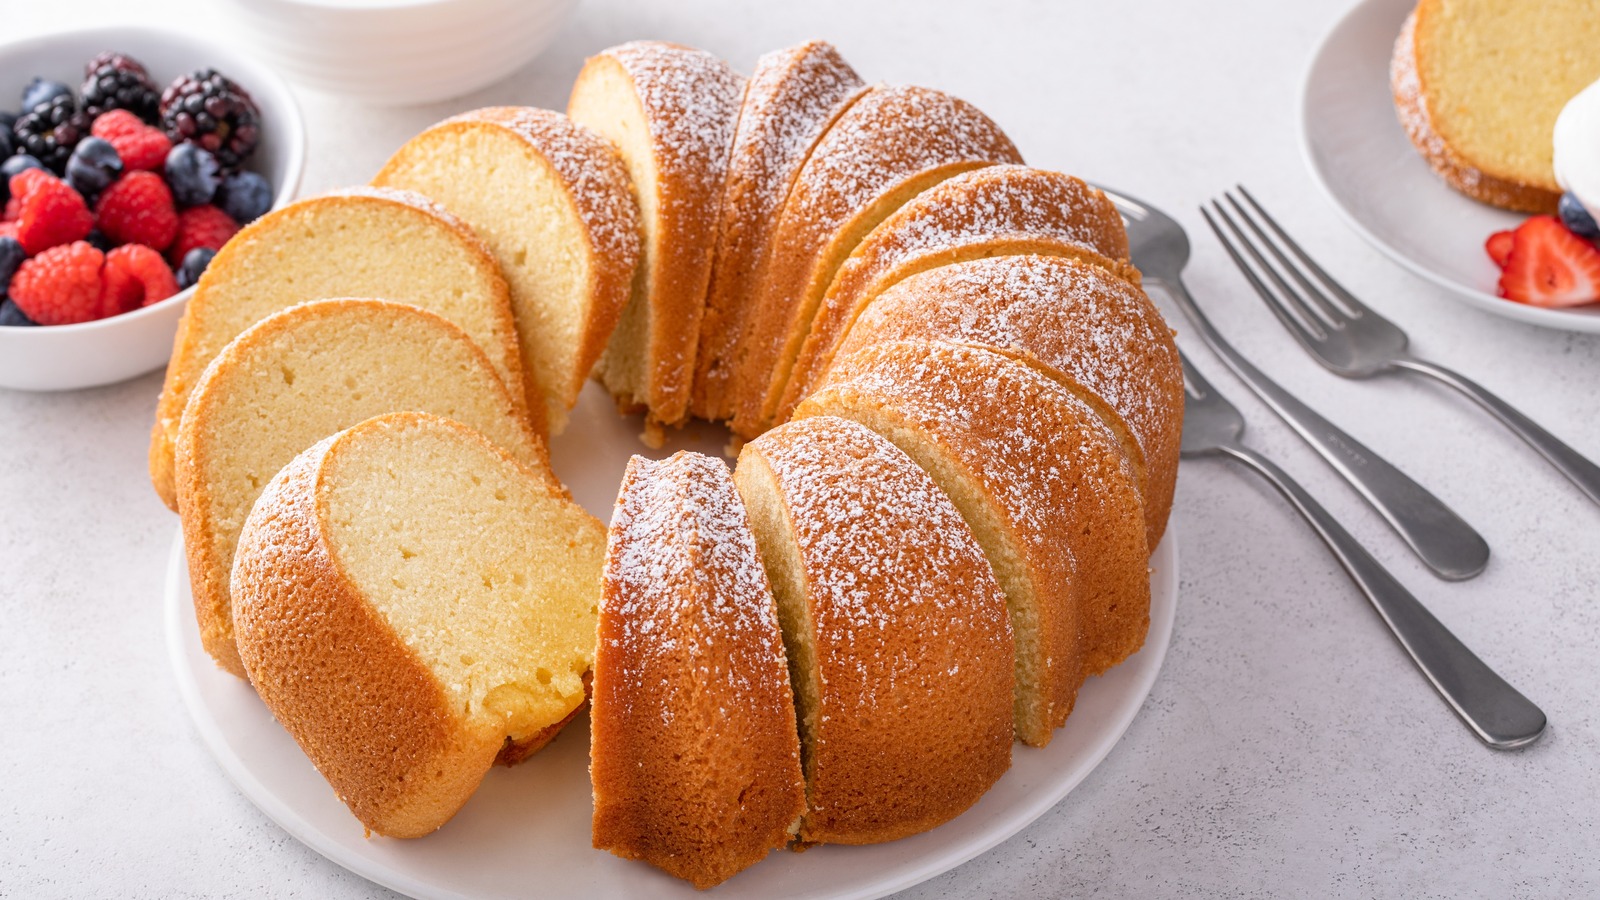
column 695, row 757
column 993, row 211
column 312, row 370
column 899, row 647
column 551, row 201
column 1098, row 334
column 412, row 602
column 389, row 244
column 792, row 98
column 1044, row 487
column 671, row 111
column 890, row 145
column 1478, row 85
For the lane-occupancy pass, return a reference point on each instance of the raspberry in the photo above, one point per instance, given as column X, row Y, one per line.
column 201, row 226
column 138, row 145
column 138, row 210
column 60, row 286
column 50, row 212
column 8, row 229
column 134, row 276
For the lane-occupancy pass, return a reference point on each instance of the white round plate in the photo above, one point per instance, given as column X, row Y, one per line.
column 1362, row 159
column 526, row 831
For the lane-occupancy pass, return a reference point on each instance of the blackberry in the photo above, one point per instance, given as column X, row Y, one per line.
column 207, row 109
column 7, row 119
column 6, row 147
column 98, row 240
column 116, row 81
column 50, row 131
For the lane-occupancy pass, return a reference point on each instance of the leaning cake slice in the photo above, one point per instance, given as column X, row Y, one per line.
column 291, row 380
column 551, row 201
column 394, row 245
column 413, row 603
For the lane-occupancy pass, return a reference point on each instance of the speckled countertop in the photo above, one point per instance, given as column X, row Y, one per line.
column 1288, row 747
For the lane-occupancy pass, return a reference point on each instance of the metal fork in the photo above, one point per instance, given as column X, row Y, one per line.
column 1439, row 537
column 1495, row 711
column 1351, row 339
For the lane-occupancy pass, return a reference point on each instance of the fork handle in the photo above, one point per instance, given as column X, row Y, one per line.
column 1569, row 462
column 1495, row 711
column 1439, row 537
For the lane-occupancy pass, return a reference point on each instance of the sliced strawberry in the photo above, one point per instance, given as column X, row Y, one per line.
column 1499, row 247
column 1550, row 266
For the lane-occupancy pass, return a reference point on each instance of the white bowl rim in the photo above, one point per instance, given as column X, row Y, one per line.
column 259, row 74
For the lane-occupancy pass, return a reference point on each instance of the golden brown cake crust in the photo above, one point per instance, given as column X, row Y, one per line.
column 196, row 345
column 909, row 732
column 893, row 141
column 790, row 101
column 691, row 104
column 1054, row 472
column 695, row 759
column 368, row 713
column 1410, row 93
column 994, row 211
column 209, row 564
column 1085, row 325
column 597, row 187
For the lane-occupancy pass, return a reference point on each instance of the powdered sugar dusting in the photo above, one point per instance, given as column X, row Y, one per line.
column 684, row 586
column 897, row 585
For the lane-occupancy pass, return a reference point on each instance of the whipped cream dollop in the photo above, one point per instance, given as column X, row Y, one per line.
column 1577, row 148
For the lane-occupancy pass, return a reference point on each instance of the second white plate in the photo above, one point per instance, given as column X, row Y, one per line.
column 1362, row 159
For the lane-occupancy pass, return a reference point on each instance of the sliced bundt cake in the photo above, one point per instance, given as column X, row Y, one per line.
column 898, row 643
column 890, row 145
column 411, row 603
column 291, row 380
column 1098, row 334
column 1043, row 485
column 551, row 201
column 993, row 211
column 792, row 98
column 671, row 111
column 394, row 245
column 695, row 758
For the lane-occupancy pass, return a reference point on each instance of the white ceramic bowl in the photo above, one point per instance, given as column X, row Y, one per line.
column 68, row 357
column 400, row 52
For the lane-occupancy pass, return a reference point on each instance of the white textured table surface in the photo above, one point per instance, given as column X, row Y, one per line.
column 1288, row 748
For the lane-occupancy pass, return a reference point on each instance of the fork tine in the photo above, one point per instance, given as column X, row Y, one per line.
column 1308, row 332
column 1355, row 307
column 1320, row 304
column 1286, row 295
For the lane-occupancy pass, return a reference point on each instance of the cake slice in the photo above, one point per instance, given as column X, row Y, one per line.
column 898, row 643
column 291, row 380
column 889, row 146
column 694, row 753
column 1098, row 335
column 393, row 245
column 792, row 98
column 672, row 112
column 1478, row 85
column 993, row 211
column 1044, row 487
column 551, row 201
column 412, row 603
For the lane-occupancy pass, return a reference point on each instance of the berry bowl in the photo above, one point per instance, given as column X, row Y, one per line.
column 108, row 350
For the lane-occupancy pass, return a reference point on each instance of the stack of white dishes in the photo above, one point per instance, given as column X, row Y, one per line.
column 400, row 52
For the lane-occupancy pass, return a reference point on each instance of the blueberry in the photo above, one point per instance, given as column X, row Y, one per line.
column 245, row 197
column 41, row 91
column 7, row 146
column 1577, row 219
column 194, row 262
column 13, row 165
column 93, row 165
column 11, row 256
column 12, row 315
column 7, row 119
column 98, row 240
column 193, row 174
